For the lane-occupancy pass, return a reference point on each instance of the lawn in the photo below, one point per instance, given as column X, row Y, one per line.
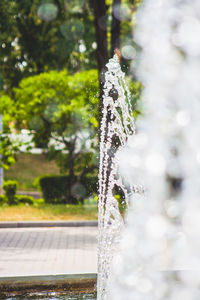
column 27, row 168
column 49, row 212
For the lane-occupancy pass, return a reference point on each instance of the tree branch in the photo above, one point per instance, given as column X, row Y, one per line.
column 87, row 170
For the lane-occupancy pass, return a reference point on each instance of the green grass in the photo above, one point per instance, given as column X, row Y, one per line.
column 49, row 212
column 27, row 168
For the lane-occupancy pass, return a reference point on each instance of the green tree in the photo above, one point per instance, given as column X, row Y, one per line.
column 40, row 35
column 62, row 108
column 7, row 147
column 114, row 22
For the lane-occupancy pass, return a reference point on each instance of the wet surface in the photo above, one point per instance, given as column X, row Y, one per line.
column 53, row 296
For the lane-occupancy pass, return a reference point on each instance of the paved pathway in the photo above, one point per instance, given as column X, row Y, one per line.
column 48, row 251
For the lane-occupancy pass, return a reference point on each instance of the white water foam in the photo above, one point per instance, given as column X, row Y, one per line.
column 159, row 253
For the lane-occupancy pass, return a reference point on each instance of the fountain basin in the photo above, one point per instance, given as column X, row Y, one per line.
column 53, row 286
column 54, row 296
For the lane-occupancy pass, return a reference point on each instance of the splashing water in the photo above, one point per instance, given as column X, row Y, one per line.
column 116, row 126
column 159, row 253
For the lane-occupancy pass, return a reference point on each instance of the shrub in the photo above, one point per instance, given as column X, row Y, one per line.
column 56, row 189
column 90, row 183
column 10, row 188
column 38, row 202
column 92, row 200
column 25, row 199
column 3, row 199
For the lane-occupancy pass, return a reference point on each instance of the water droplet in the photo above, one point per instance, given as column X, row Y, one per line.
column 155, row 163
column 183, row 118
column 156, row 226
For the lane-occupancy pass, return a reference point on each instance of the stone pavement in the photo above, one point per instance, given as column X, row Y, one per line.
column 48, row 251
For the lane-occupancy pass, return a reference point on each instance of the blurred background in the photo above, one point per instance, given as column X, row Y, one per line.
column 52, row 62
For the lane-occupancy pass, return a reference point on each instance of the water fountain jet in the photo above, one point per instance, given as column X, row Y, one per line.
column 117, row 126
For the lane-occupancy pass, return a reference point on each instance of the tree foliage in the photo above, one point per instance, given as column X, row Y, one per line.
column 61, row 111
column 38, row 39
column 37, row 36
column 40, row 35
column 7, row 147
column 57, row 102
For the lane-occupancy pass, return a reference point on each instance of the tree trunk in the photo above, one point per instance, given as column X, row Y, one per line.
column 115, row 28
column 72, row 199
column 100, row 23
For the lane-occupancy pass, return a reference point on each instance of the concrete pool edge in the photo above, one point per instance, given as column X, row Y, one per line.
column 66, row 283
column 24, row 224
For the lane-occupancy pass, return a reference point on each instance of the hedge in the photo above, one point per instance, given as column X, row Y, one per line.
column 10, row 189
column 56, row 189
column 3, row 199
column 10, row 197
column 24, row 199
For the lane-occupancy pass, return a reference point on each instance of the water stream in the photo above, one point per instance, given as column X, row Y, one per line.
column 117, row 125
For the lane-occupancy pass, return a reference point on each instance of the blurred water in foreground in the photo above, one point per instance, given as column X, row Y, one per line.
column 159, row 253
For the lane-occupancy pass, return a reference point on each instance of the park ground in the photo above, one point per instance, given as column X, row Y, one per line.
column 27, row 169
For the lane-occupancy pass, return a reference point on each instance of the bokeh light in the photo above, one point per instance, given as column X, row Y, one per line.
column 128, row 52
column 78, row 191
column 74, row 6
column 72, row 29
column 47, row 11
column 183, row 118
column 155, row 163
column 165, row 224
column 122, row 12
